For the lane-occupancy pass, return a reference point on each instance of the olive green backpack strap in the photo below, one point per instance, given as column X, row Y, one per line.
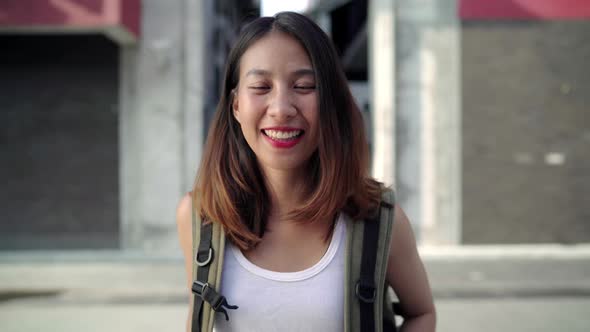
column 208, row 249
column 367, row 304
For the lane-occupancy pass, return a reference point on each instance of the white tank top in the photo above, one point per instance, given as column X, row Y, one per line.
column 308, row 300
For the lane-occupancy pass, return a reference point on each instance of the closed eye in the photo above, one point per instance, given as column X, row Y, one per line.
column 305, row 87
column 259, row 89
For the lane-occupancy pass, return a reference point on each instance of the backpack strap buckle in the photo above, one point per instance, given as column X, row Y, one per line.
column 217, row 301
column 365, row 292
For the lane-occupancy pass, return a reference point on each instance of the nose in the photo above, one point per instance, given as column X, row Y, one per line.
column 282, row 105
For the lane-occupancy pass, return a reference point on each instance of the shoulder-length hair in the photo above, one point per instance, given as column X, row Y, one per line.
column 230, row 187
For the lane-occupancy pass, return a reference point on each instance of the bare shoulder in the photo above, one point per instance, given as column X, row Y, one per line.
column 185, row 233
column 183, row 211
column 403, row 240
column 183, row 221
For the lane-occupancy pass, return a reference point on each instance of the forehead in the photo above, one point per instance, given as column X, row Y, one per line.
column 274, row 53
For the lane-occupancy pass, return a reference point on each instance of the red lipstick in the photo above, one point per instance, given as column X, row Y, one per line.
column 283, row 143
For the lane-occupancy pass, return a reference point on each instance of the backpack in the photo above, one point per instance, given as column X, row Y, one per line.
column 367, row 302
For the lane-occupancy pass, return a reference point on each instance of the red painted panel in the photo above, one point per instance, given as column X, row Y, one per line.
column 132, row 15
column 71, row 14
column 524, row 9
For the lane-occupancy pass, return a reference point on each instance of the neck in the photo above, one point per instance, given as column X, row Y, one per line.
column 286, row 191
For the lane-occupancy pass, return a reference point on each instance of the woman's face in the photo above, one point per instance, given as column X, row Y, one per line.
column 276, row 102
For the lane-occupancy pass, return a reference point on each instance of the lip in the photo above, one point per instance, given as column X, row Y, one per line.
column 282, row 128
column 283, row 145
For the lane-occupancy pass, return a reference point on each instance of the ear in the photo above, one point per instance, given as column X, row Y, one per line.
column 235, row 105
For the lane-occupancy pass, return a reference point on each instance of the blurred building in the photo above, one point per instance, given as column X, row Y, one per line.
column 104, row 110
column 478, row 112
column 488, row 102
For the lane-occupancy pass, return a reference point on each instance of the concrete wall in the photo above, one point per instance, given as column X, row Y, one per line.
column 526, row 132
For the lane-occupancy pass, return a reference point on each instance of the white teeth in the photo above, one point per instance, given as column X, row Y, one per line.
column 276, row 134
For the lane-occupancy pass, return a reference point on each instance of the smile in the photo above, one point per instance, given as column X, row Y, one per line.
column 282, row 135
column 283, row 138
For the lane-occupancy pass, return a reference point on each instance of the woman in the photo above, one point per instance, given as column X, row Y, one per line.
column 286, row 160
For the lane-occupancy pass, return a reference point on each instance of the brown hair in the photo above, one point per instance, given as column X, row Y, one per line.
column 230, row 188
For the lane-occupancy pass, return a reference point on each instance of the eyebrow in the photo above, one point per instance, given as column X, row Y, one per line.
column 298, row 72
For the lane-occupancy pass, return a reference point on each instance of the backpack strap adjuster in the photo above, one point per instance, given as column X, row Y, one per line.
column 199, row 288
column 365, row 292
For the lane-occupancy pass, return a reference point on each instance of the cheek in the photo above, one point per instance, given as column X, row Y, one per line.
column 313, row 116
column 249, row 118
column 243, row 110
column 251, row 105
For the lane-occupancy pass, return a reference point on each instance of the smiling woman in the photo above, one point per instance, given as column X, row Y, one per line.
column 283, row 73
column 275, row 103
column 285, row 178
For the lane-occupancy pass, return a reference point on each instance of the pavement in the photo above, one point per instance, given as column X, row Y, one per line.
column 476, row 288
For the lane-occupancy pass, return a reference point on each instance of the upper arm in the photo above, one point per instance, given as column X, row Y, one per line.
column 185, row 237
column 185, row 234
column 405, row 271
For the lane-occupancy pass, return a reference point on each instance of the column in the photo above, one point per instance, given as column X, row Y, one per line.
column 161, row 122
column 428, row 118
